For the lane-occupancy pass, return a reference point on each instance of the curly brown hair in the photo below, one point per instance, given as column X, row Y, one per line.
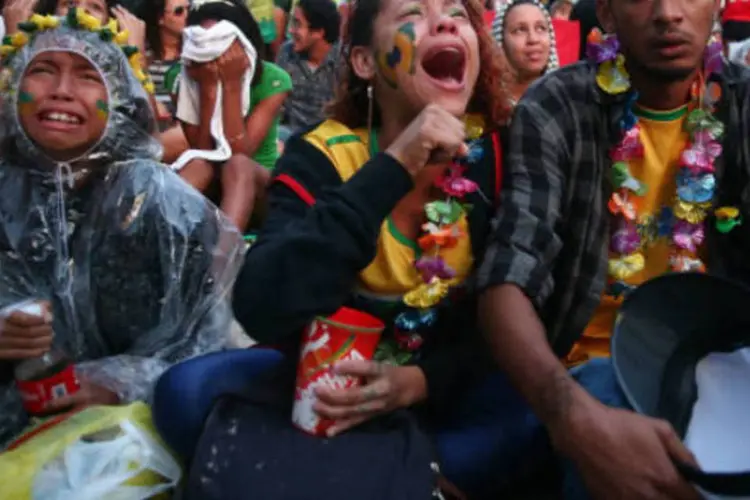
column 350, row 104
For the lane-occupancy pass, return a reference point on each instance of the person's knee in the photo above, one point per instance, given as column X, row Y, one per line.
column 199, row 166
column 262, row 178
column 241, row 171
column 239, row 168
column 173, row 383
column 198, row 173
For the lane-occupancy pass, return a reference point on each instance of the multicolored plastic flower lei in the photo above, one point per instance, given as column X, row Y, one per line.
column 440, row 232
column 77, row 19
column 684, row 221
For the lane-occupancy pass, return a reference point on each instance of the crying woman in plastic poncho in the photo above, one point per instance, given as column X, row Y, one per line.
column 133, row 263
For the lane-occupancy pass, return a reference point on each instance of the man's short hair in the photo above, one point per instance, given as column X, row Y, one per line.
column 322, row 15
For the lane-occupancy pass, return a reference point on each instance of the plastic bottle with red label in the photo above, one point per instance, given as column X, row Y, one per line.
column 45, row 378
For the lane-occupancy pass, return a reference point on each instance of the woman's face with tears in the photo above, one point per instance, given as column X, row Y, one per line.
column 63, row 104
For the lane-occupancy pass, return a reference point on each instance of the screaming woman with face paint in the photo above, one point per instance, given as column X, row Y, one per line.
column 369, row 209
column 523, row 30
column 132, row 263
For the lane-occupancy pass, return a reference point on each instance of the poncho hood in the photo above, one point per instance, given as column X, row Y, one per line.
column 130, row 123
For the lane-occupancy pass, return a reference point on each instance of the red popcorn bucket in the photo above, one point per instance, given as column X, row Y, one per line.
column 347, row 334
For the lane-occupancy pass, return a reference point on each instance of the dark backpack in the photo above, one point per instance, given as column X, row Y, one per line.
column 250, row 450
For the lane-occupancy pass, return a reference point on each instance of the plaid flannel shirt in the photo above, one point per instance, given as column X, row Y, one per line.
column 551, row 233
column 312, row 89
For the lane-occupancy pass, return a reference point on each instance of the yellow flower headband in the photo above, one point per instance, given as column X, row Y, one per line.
column 77, row 19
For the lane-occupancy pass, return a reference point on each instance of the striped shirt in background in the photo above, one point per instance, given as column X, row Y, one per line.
column 162, row 74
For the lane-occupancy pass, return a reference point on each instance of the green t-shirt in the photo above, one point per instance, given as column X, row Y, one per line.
column 273, row 81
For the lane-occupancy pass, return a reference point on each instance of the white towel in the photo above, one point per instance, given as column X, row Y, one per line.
column 202, row 45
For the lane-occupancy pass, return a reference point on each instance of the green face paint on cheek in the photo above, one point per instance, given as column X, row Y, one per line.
column 26, row 102
column 401, row 56
column 102, row 109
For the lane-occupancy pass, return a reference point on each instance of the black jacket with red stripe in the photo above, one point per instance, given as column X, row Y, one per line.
column 321, row 233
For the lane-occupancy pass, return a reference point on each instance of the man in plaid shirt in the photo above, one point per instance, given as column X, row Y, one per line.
column 546, row 269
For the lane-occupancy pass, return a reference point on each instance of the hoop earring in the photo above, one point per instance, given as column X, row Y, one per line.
column 370, row 106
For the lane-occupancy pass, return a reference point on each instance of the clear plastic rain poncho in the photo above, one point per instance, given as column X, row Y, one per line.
column 136, row 263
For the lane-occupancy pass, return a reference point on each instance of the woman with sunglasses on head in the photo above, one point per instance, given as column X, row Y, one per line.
column 365, row 211
column 165, row 20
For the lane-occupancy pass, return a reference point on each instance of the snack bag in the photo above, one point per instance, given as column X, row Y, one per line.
column 110, row 452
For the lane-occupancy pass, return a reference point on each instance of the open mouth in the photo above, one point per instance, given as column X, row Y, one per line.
column 60, row 117
column 446, row 65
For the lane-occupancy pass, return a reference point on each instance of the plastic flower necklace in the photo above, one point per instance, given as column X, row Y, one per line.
column 440, row 232
column 684, row 222
column 77, row 19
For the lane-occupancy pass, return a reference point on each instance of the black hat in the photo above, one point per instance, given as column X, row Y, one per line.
column 681, row 352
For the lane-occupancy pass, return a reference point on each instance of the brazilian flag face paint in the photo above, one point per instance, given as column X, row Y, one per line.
column 400, row 59
column 102, row 109
column 26, row 103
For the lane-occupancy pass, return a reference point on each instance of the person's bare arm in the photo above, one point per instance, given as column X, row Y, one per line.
column 519, row 344
column 136, row 29
column 233, row 64
column 261, row 120
column 206, row 77
column 15, row 12
column 199, row 136
column 234, row 120
column 519, row 264
column 619, row 454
